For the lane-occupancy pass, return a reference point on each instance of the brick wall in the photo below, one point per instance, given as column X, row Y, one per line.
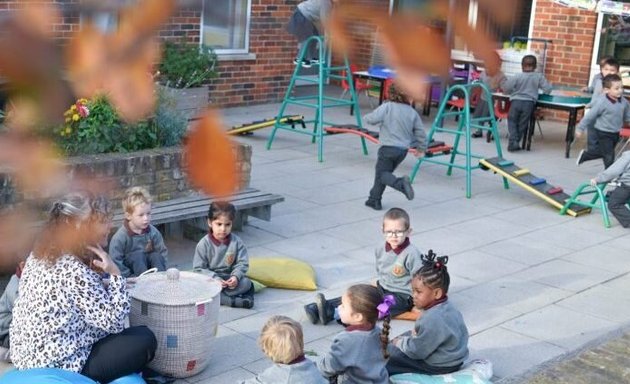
column 573, row 34
column 160, row 170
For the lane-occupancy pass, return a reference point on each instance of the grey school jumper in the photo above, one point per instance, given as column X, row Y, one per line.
column 356, row 357
column 224, row 260
column 605, row 115
column 394, row 271
column 400, row 126
column 315, row 10
column 596, row 85
column 7, row 302
column 441, row 339
column 135, row 253
column 620, row 196
column 525, row 86
column 304, row 372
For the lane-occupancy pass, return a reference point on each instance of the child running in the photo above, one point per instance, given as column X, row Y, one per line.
column 396, row 262
column 137, row 245
column 282, row 340
column 359, row 353
column 400, row 129
column 222, row 254
column 603, row 122
column 438, row 343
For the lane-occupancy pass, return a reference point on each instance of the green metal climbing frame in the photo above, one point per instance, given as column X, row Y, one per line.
column 319, row 101
column 464, row 128
column 597, row 201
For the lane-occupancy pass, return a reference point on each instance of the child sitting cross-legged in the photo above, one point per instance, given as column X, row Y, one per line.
column 282, row 340
column 396, row 261
column 137, row 245
column 359, row 353
column 438, row 343
column 223, row 255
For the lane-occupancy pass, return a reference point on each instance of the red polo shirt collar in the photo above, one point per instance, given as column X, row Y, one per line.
column 400, row 248
column 360, row 327
column 436, row 302
column 218, row 242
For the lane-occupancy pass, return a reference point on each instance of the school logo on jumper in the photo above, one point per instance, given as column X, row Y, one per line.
column 229, row 258
column 398, row 270
column 149, row 247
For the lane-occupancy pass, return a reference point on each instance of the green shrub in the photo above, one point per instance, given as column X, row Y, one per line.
column 93, row 126
column 186, row 65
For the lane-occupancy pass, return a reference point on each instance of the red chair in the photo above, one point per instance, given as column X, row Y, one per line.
column 501, row 111
column 359, row 85
column 624, row 134
column 460, row 103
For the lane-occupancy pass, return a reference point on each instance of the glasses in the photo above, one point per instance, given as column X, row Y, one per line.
column 394, row 233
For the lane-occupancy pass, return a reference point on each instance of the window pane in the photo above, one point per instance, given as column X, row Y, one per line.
column 615, row 38
column 225, row 24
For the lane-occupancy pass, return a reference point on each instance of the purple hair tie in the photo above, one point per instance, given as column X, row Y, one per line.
column 383, row 308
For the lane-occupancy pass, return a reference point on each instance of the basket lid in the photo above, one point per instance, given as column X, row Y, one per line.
column 175, row 287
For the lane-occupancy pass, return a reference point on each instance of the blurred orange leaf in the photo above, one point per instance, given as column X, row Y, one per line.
column 119, row 64
column 210, row 157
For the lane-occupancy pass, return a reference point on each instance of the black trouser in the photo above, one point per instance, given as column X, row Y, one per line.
column 519, row 119
column 617, row 204
column 404, row 303
column 389, row 158
column 121, row 354
column 400, row 363
column 601, row 145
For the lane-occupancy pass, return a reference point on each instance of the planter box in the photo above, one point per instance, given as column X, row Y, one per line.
column 189, row 101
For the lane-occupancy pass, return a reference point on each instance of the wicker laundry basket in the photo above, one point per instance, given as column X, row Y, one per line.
column 182, row 309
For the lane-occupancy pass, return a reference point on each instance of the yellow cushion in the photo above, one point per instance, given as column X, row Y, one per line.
column 282, row 272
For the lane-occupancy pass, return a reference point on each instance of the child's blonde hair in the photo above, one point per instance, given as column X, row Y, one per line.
column 282, row 339
column 134, row 197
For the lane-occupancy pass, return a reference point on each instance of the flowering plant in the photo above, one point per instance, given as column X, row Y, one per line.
column 94, row 126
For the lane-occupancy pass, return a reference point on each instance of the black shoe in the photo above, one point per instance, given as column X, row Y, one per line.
column 325, row 309
column 243, row 301
column 514, row 148
column 580, row 158
column 306, row 63
column 296, row 61
column 314, row 61
column 407, row 188
column 312, row 313
column 374, row 204
column 478, row 133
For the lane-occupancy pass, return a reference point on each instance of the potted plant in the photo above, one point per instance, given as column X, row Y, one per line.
column 185, row 70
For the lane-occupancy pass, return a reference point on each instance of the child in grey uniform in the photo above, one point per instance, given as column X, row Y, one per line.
column 7, row 302
column 523, row 90
column 439, row 341
column 607, row 66
column 137, row 245
column 282, row 340
column 222, row 254
column 396, row 262
column 604, row 121
column 359, row 353
column 620, row 196
column 400, row 129
column 307, row 20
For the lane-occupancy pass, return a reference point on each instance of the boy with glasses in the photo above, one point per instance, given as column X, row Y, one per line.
column 396, row 262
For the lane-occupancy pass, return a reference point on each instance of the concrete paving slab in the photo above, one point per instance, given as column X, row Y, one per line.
column 560, row 326
column 525, row 251
column 565, row 275
column 600, row 301
column 500, row 346
column 482, row 267
column 480, row 315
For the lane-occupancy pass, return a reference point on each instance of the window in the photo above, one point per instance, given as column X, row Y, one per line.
column 519, row 25
column 106, row 22
column 225, row 25
column 614, row 39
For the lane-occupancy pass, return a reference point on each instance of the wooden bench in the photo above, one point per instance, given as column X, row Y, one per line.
column 193, row 210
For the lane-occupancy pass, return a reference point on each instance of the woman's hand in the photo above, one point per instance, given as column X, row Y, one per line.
column 103, row 262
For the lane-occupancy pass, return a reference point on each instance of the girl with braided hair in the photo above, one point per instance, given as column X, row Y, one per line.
column 438, row 343
column 359, row 353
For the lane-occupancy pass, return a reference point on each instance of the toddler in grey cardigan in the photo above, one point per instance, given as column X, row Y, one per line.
column 282, row 340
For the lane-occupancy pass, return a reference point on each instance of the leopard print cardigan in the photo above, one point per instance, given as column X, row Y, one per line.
column 62, row 310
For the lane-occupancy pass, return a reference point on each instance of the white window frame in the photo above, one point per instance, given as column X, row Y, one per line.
column 231, row 51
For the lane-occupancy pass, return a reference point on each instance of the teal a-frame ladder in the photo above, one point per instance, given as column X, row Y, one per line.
column 465, row 126
column 319, row 102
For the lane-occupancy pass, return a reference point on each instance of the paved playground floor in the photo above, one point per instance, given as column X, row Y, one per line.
column 532, row 285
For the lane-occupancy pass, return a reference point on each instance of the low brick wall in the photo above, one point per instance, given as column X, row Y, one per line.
column 160, row 170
